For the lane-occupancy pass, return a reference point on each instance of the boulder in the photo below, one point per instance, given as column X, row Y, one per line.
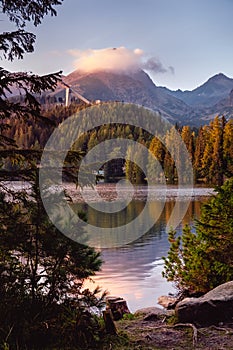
column 153, row 313
column 167, row 301
column 210, row 309
column 150, row 311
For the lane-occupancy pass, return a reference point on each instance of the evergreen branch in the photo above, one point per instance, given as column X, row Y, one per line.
column 27, row 85
column 15, row 44
column 22, row 11
column 27, row 82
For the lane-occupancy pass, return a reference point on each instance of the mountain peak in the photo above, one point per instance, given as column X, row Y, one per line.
column 218, row 77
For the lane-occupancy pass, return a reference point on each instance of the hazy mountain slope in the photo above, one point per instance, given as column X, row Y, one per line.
column 206, row 95
column 223, row 107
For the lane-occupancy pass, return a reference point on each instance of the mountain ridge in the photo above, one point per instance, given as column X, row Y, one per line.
column 193, row 107
column 207, row 94
column 134, row 87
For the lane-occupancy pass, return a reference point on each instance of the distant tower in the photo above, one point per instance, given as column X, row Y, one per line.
column 67, row 96
column 68, row 90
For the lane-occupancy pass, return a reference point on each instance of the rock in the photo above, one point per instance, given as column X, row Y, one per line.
column 152, row 318
column 148, row 311
column 118, row 307
column 167, row 301
column 213, row 307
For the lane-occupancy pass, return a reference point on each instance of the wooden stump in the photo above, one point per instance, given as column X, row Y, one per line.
column 118, row 306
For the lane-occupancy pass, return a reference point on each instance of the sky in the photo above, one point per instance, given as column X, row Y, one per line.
column 180, row 43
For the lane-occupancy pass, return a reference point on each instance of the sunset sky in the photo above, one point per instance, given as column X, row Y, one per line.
column 181, row 43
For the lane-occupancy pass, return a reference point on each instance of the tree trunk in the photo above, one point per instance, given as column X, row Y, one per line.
column 109, row 324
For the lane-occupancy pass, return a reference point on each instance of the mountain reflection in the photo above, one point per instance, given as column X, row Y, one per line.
column 133, row 271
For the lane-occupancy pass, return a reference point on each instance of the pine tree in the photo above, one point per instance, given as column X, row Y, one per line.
column 13, row 45
column 41, row 272
column 201, row 260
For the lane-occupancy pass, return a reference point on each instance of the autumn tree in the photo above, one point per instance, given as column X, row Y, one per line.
column 227, row 148
column 217, row 165
column 188, row 137
column 130, row 166
column 133, row 172
column 171, row 150
column 157, row 149
column 200, row 143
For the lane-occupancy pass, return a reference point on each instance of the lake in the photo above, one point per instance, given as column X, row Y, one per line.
column 133, row 271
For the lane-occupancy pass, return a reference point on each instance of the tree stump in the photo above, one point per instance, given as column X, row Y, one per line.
column 118, row 307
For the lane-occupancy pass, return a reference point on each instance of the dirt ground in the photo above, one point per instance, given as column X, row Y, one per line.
column 160, row 333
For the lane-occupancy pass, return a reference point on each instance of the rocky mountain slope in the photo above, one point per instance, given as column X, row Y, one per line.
column 134, row 87
column 184, row 107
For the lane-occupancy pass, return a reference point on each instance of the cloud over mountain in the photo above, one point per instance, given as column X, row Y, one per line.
column 116, row 60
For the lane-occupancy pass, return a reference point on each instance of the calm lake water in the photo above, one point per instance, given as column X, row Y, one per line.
column 134, row 271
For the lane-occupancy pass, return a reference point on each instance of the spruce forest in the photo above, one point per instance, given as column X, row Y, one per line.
column 209, row 146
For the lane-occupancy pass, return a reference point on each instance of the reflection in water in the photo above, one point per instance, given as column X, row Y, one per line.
column 134, row 271
column 109, row 220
